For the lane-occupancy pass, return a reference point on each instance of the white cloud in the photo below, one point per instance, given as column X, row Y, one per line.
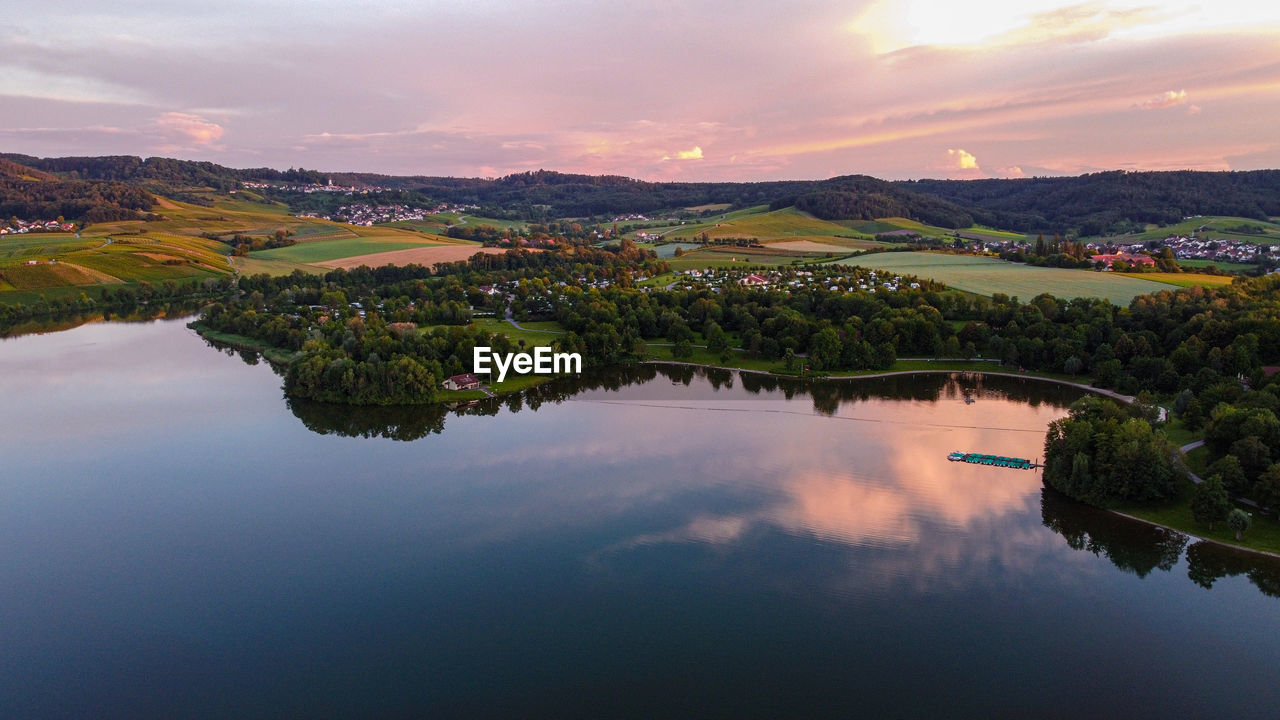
column 959, row 159
column 1164, row 100
column 694, row 154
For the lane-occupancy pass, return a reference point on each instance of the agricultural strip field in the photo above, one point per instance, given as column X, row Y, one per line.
column 1223, row 266
column 325, row 250
column 250, row 265
column 987, row 276
column 784, row 224
column 36, row 245
column 819, row 247
column 427, row 256
column 1189, row 279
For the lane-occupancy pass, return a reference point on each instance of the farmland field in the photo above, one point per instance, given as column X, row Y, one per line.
column 1190, row 279
column 34, row 245
column 325, row 250
column 1223, row 266
column 784, row 224
column 987, row 276
column 420, row 255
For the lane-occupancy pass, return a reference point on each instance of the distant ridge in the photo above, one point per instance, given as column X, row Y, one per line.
column 1107, row 202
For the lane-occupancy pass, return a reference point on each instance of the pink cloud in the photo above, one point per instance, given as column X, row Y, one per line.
column 1164, row 100
column 186, row 129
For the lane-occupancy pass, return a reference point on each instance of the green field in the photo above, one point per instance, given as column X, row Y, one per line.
column 1214, row 226
column 38, row 245
column 785, row 224
column 531, row 337
column 987, row 276
column 1223, row 266
column 321, row 250
column 1189, row 279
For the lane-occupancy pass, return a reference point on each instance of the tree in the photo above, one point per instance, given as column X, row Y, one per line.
column 1210, row 502
column 717, row 338
column 1266, row 491
column 1072, row 365
column 1228, row 468
column 1239, row 521
column 789, row 360
column 825, row 348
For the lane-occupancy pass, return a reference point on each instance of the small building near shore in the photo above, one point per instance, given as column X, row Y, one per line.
column 465, row 381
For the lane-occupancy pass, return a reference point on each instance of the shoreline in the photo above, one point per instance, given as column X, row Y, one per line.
column 1081, row 386
column 889, row 373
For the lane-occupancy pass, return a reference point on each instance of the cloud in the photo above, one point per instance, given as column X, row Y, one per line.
column 694, row 154
column 961, row 160
column 1167, row 99
column 1012, row 171
column 1193, row 110
column 187, row 129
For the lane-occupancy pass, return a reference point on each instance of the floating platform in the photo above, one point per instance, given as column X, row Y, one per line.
column 993, row 460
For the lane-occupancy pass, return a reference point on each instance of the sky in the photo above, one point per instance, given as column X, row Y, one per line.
column 659, row 90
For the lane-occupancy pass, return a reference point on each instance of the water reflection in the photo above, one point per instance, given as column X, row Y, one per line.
column 1131, row 546
column 629, row 544
column 72, row 320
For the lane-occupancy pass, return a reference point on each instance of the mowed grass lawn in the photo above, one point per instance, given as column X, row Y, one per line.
column 323, row 250
column 987, row 276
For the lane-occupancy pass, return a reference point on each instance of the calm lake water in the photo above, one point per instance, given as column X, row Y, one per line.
column 176, row 540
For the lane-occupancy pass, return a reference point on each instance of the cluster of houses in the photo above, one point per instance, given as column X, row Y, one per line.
column 313, row 188
column 847, row 280
column 366, row 214
column 16, row 226
column 1132, row 259
column 1219, row 249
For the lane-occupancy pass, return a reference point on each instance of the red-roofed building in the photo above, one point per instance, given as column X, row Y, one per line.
column 754, row 280
column 465, row 381
column 1134, row 260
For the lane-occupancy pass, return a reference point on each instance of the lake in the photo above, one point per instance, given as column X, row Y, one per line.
column 178, row 540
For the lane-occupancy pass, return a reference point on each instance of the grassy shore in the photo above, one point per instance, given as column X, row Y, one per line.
column 1264, row 536
column 275, row 355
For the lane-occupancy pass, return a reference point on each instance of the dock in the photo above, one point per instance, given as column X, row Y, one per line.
column 993, row 460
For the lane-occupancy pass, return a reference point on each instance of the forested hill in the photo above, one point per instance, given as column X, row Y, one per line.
column 30, row 194
column 158, row 171
column 1109, row 202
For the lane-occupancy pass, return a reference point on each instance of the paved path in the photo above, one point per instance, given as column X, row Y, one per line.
column 512, row 319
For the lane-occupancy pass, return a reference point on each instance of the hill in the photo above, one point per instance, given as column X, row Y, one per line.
column 1109, row 203
column 1106, row 203
column 28, row 193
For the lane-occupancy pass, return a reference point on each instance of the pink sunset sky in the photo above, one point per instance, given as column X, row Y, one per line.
column 662, row 90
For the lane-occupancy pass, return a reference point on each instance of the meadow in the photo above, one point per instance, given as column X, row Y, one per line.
column 766, row 225
column 317, row 251
column 987, row 276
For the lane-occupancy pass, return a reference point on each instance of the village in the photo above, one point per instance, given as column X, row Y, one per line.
column 16, row 226
column 315, row 188
column 1183, row 247
column 367, row 215
column 1192, row 248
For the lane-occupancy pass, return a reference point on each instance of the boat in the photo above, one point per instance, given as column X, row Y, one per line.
column 992, row 460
